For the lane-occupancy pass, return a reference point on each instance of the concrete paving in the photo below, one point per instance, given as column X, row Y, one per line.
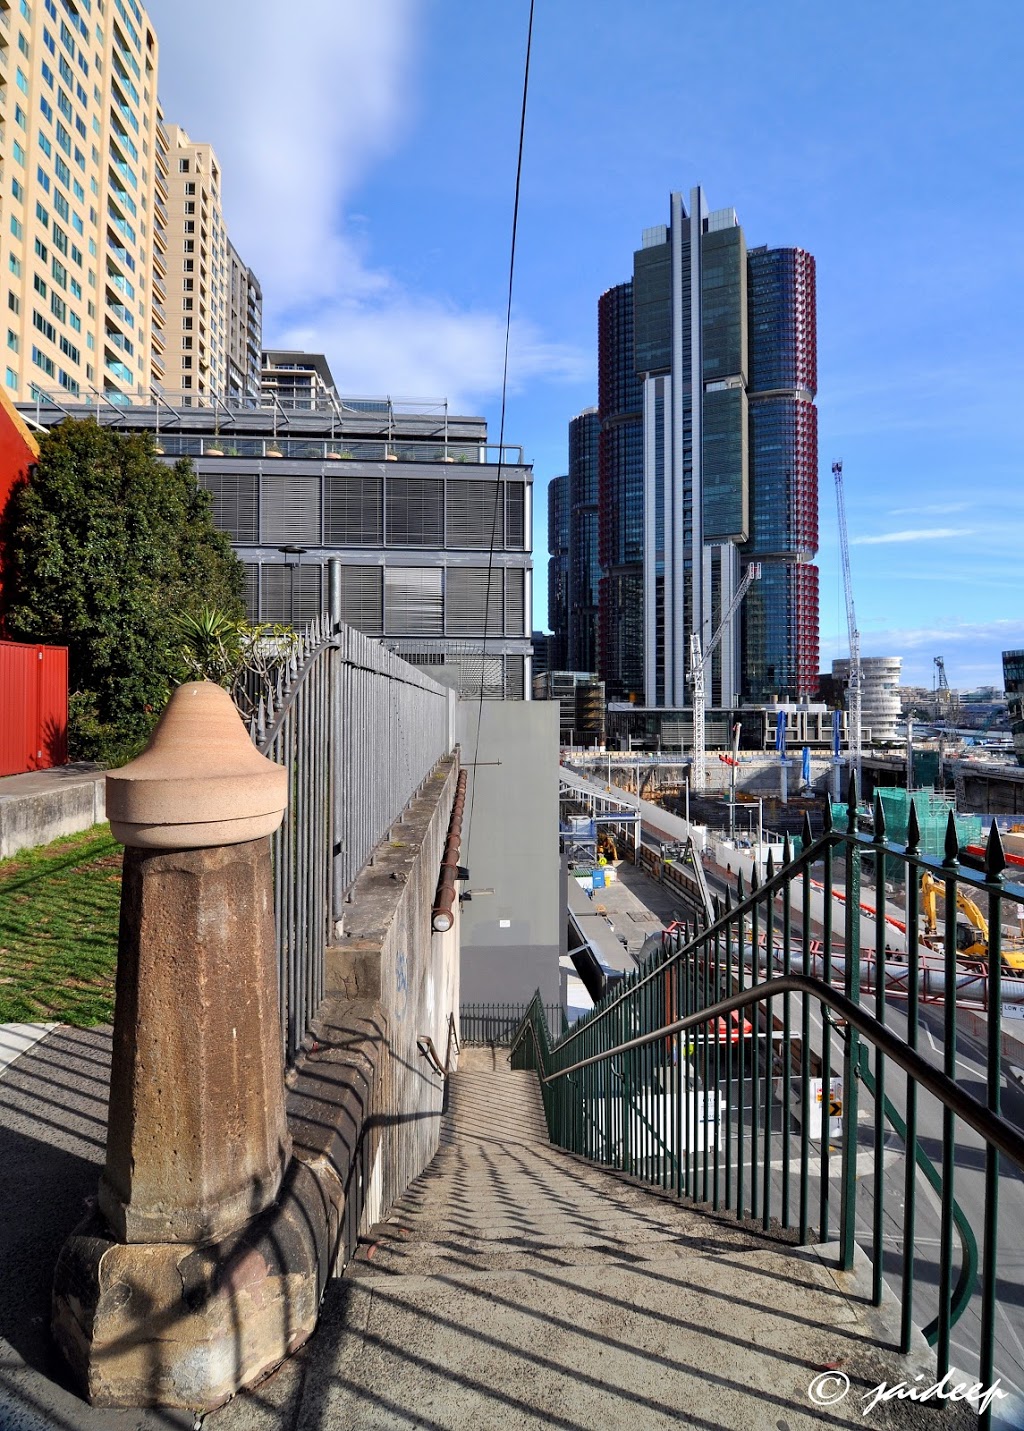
column 53, row 1125
column 515, row 1286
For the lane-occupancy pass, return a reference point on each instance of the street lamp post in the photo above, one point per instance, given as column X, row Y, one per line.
column 292, row 550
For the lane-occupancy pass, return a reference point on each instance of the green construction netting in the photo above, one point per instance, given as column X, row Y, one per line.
column 932, row 817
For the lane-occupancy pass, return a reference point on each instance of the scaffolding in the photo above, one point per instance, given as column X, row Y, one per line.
column 932, row 818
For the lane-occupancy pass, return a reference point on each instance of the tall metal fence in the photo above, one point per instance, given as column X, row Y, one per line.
column 498, row 1024
column 734, row 1070
column 360, row 731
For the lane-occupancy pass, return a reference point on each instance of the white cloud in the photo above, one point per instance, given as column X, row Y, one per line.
column 930, row 509
column 914, row 534
column 298, row 113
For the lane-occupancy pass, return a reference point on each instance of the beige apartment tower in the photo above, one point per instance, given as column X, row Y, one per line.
column 114, row 249
column 78, row 119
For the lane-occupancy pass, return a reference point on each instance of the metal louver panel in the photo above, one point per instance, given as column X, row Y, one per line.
column 362, row 598
column 515, row 515
column 354, row 512
column 415, row 511
column 289, row 509
column 515, row 601
column 468, row 612
column 252, row 591
column 412, row 601
column 472, row 516
column 290, row 594
column 515, row 683
column 233, row 504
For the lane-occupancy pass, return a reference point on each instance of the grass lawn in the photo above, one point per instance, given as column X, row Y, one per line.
column 58, row 931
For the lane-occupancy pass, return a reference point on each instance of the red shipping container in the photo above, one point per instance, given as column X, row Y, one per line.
column 33, row 707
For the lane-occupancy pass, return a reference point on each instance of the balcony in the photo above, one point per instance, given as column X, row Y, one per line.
column 119, row 370
column 160, row 264
column 158, row 338
column 159, row 286
column 159, row 367
column 122, row 314
column 121, row 254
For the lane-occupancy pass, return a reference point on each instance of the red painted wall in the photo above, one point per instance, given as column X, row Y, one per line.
column 18, row 451
column 33, row 707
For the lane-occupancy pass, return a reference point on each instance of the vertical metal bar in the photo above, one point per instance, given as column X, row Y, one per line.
column 787, row 1053
column 741, row 939
column 769, row 1067
column 756, row 1011
column 990, row 1260
column 950, row 865
column 824, row 1209
column 878, row 1208
column 805, row 1041
column 913, row 892
column 848, row 1207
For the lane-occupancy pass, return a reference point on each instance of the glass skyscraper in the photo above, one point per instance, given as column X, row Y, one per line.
column 620, row 520
column 708, row 462
column 584, row 558
column 558, row 571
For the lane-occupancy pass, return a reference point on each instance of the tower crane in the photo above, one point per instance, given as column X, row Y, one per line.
column 698, row 666
column 854, row 688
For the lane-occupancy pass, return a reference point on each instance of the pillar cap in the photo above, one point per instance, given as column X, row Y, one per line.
column 199, row 782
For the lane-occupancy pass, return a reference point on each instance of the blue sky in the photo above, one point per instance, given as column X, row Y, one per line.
column 884, row 138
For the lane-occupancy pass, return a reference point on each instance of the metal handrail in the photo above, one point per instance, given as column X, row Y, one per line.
column 425, row 1044
column 994, row 1130
column 673, row 1030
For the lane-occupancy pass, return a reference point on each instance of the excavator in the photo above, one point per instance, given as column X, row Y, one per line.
column 971, row 928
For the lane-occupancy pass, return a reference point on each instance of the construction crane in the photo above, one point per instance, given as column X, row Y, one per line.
column 698, row 667
column 854, row 687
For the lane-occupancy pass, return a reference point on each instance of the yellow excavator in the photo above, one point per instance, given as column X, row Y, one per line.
column 971, row 927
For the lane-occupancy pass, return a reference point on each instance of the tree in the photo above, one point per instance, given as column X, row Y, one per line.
column 106, row 545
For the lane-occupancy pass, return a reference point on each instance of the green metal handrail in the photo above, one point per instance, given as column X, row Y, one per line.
column 624, row 1087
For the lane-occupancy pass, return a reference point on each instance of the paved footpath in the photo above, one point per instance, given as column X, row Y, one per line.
column 515, row 1286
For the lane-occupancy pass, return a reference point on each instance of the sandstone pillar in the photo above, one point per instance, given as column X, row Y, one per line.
column 197, row 1142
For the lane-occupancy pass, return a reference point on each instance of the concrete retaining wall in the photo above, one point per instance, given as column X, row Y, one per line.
column 46, row 804
column 388, row 957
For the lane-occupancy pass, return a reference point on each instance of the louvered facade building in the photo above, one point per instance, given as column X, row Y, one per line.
column 432, row 531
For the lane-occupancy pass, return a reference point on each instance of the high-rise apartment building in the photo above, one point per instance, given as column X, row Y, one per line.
column 77, row 141
column 245, row 328
column 198, row 273
column 113, row 244
column 707, row 376
column 584, row 559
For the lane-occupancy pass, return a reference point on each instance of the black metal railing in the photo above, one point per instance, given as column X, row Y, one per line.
column 741, row 1071
column 497, row 1024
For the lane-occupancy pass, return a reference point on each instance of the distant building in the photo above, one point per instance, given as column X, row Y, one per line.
column 1013, row 683
column 881, row 705
column 620, row 498
column 708, row 463
column 299, row 381
column 245, row 328
column 583, row 554
column 558, row 570
column 581, row 701
column 293, row 486
column 540, row 642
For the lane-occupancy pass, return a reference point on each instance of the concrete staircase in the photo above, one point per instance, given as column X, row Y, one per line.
column 515, row 1286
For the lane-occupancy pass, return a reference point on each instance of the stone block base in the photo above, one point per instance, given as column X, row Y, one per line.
column 162, row 1324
